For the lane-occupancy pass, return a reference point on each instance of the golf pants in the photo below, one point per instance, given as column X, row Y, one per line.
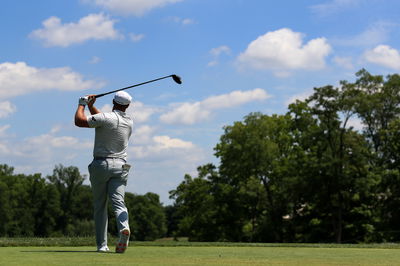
column 108, row 179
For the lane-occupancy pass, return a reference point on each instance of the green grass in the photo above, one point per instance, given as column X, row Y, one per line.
column 200, row 255
column 80, row 251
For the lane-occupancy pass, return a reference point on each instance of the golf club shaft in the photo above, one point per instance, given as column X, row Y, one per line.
column 102, row 94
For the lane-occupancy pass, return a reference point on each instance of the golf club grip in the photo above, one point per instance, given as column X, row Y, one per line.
column 106, row 93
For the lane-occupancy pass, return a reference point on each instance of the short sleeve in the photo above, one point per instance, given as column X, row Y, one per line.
column 96, row 120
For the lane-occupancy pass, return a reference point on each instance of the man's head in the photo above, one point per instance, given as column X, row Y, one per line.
column 121, row 100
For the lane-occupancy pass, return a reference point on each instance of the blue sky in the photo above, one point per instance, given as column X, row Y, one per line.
column 234, row 56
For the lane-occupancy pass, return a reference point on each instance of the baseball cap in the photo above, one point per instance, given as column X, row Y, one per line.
column 122, row 98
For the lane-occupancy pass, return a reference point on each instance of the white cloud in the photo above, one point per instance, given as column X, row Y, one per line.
column 51, row 149
column 136, row 37
column 3, row 130
column 166, row 142
column 217, row 52
column 95, row 60
column 190, row 113
column 161, row 162
column 385, row 56
column 142, row 135
column 378, row 32
column 91, row 27
column 283, row 50
column 161, row 148
column 212, row 63
column 139, row 112
column 223, row 49
column 301, row 97
column 19, row 78
column 182, row 21
column 334, row 6
column 7, row 108
column 187, row 21
column 132, row 7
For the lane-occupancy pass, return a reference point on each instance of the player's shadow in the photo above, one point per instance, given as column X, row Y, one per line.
column 64, row 251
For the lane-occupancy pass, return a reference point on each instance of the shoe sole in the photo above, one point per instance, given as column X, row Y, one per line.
column 122, row 244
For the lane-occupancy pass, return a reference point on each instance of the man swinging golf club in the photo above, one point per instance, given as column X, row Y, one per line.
column 108, row 170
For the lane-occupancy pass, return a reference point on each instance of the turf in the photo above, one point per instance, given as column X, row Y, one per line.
column 201, row 255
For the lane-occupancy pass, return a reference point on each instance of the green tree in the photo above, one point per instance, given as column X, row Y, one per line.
column 378, row 107
column 259, row 148
column 146, row 216
column 194, row 201
column 68, row 181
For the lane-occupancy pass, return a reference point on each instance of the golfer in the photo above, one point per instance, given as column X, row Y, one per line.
column 108, row 170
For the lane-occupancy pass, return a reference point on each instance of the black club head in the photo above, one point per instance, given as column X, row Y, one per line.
column 177, row 79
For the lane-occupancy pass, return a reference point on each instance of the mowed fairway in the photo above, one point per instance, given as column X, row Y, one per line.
column 153, row 255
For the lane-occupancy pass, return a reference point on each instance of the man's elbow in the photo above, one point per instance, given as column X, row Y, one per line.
column 81, row 123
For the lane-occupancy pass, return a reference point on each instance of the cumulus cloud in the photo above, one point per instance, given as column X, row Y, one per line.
column 138, row 111
column 142, row 134
column 283, row 50
column 91, row 27
column 6, row 108
column 161, row 161
column 20, row 78
column 190, row 113
column 52, row 149
column 132, row 7
column 161, row 148
column 384, row 55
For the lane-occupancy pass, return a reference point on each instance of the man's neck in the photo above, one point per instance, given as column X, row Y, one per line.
column 115, row 108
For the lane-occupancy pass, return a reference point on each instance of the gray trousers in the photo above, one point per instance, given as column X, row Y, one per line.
column 108, row 179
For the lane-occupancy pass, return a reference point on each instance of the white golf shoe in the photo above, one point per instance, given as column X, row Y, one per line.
column 103, row 249
column 123, row 241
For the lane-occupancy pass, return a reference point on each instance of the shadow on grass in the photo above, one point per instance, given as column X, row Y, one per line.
column 64, row 251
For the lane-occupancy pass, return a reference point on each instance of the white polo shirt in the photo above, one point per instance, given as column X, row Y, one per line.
column 112, row 133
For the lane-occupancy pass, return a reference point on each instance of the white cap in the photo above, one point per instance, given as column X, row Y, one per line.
column 122, row 98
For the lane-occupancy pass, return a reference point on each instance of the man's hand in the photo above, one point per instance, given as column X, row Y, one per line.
column 91, row 100
column 83, row 100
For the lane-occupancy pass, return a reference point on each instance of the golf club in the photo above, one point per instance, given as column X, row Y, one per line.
column 176, row 78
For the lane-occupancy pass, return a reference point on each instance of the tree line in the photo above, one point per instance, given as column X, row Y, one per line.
column 308, row 175
column 304, row 176
column 61, row 205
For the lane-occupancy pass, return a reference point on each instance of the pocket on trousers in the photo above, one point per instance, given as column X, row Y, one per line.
column 125, row 171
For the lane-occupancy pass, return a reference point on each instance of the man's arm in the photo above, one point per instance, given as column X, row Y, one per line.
column 80, row 117
column 93, row 110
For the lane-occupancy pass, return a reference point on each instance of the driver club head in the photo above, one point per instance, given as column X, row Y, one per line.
column 177, row 79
